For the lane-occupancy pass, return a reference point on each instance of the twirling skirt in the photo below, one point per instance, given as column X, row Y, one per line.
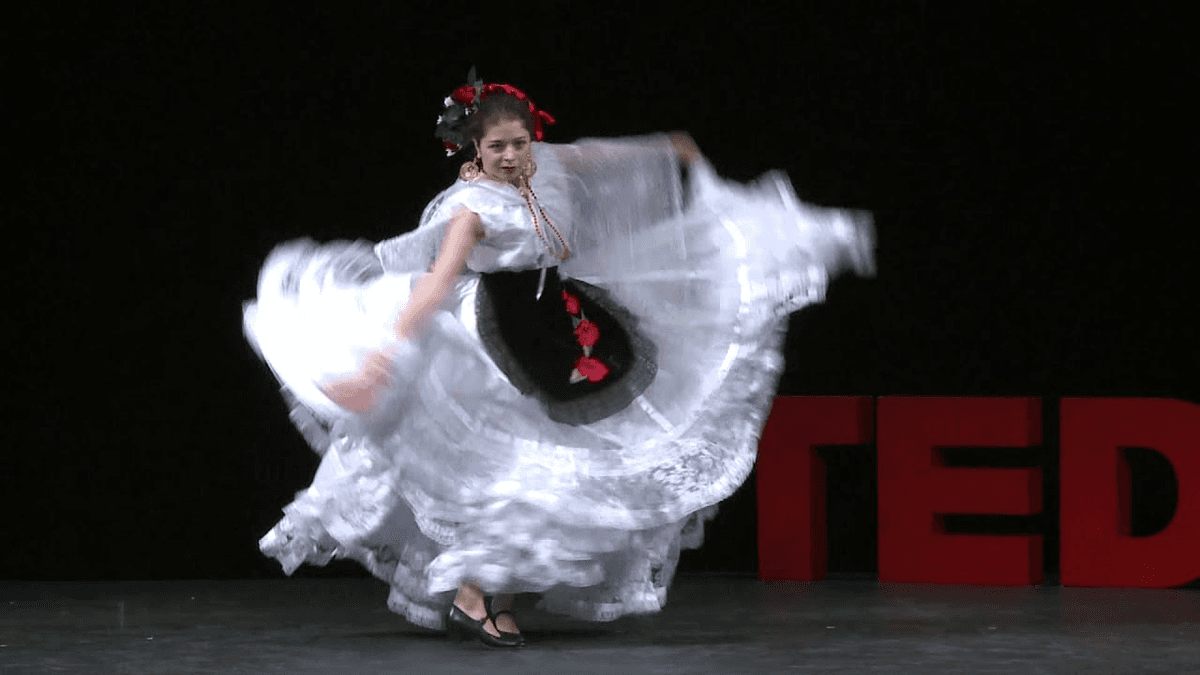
column 485, row 465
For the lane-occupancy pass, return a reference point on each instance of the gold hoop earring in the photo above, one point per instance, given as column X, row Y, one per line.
column 530, row 169
column 472, row 169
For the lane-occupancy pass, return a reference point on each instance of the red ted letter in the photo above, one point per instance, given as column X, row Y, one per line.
column 791, row 479
column 916, row 489
column 1097, row 549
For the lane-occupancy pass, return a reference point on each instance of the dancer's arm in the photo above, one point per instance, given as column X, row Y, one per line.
column 359, row 392
column 684, row 146
column 463, row 232
column 606, row 150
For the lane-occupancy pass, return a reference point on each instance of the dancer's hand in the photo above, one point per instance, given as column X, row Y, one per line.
column 684, row 146
column 378, row 367
column 360, row 392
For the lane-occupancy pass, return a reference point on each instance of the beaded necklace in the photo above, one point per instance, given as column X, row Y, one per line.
column 531, row 201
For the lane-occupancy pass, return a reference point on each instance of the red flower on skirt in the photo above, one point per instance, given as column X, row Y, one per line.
column 571, row 302
column 587, row 333
column 593, row 369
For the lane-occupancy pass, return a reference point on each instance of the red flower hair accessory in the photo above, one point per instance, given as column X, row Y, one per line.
column 464, row 101
column 470, row 95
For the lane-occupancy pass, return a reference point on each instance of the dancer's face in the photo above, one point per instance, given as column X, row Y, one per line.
column 506, row 149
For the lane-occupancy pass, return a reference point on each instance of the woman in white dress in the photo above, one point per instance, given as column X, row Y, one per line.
column 548, row 385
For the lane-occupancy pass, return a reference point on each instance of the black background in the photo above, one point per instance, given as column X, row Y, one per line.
column 1031, row 169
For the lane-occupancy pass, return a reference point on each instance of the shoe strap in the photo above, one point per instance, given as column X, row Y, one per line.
column 478, row 622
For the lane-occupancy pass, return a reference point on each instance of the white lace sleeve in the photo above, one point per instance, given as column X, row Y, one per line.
column 599, row 193
column 508, row 243
column 415, row 251
column 611, row 188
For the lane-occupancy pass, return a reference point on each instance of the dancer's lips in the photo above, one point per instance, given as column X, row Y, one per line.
column 510, row 168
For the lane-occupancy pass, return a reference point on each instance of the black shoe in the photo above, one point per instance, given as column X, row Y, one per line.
column 520, row 639
column 459, row 626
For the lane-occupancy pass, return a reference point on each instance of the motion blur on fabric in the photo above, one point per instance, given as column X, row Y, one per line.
column 529, row 454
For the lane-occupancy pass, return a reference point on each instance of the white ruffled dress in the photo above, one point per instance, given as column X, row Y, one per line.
column 459, row 476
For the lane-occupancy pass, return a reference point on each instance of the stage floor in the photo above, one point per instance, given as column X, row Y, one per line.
column 711, row 625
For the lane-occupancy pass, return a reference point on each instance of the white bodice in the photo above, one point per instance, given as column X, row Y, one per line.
column 510, row 240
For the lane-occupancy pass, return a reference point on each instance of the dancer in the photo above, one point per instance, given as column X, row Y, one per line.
column 549, row 385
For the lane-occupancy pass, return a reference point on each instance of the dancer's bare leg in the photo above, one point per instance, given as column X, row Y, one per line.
column 470, row 601
column 504, row 622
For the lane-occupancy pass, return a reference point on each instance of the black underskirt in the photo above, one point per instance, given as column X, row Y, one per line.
column 533, row 343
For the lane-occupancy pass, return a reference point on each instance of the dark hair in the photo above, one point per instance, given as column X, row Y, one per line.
column 462, row 129
column 493, row 108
